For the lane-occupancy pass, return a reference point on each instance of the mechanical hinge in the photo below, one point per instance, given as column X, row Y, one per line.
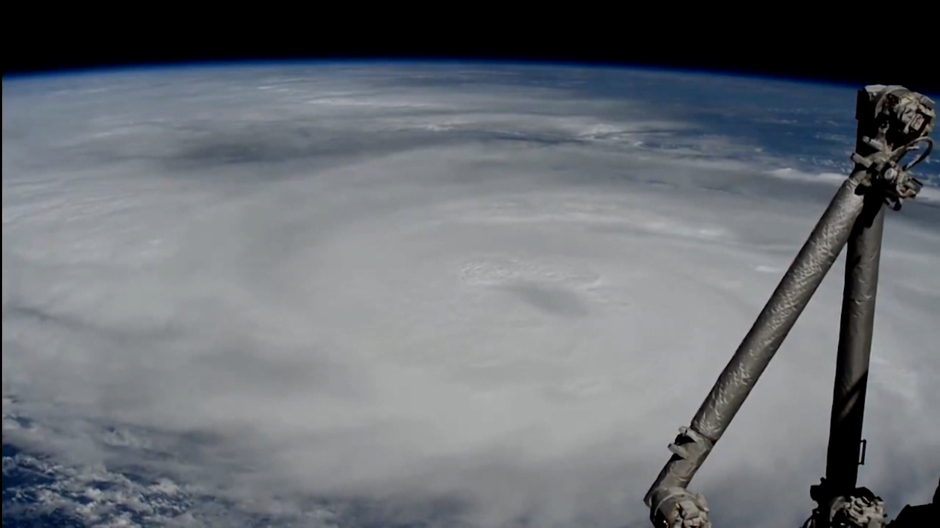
column 674, row 506
column 884, row 172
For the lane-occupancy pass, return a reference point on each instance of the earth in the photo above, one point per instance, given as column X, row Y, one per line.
column 432, row 295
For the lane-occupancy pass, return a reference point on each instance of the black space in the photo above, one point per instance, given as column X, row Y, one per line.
column 755, row 42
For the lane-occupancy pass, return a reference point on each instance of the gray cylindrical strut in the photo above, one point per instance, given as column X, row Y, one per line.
column 761, row 343
column 855, row 335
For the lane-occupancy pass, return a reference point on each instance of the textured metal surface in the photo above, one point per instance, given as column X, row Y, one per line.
column 677, row 508
column 689, row 450
column 859, row 509
column 892, row 122
column 781, row 312
column 863, row 254
column 893, row 114
column 761, row 343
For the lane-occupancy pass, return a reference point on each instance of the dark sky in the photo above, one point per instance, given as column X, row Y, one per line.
column 763, row 44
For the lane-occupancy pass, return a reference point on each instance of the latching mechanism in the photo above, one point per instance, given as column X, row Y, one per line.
column 678, row 508
column 860, row 509
column 895, row 181
column 893, row 122
column 690, row 445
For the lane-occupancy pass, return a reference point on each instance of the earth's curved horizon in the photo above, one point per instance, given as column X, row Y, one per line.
column 431, row 294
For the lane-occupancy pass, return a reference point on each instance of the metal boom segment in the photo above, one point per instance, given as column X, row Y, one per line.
column 892, row 121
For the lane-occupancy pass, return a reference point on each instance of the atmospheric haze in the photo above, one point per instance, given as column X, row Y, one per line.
column 434, row 295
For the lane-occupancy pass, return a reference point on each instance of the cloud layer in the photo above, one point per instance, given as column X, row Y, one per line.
column 366, row 296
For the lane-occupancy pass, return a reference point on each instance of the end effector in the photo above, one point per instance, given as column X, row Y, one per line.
column 894, row 115
column 677, row 508
column 863, row 509
column 671, row 504
column 893, row 121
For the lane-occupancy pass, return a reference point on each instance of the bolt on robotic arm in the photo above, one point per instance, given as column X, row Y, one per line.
column 892, row 121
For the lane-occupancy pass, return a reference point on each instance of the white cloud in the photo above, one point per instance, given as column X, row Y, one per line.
column 825, row 177
column 354, row 312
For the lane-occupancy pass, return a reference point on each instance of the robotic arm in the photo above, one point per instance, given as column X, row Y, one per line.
column 892, row 122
